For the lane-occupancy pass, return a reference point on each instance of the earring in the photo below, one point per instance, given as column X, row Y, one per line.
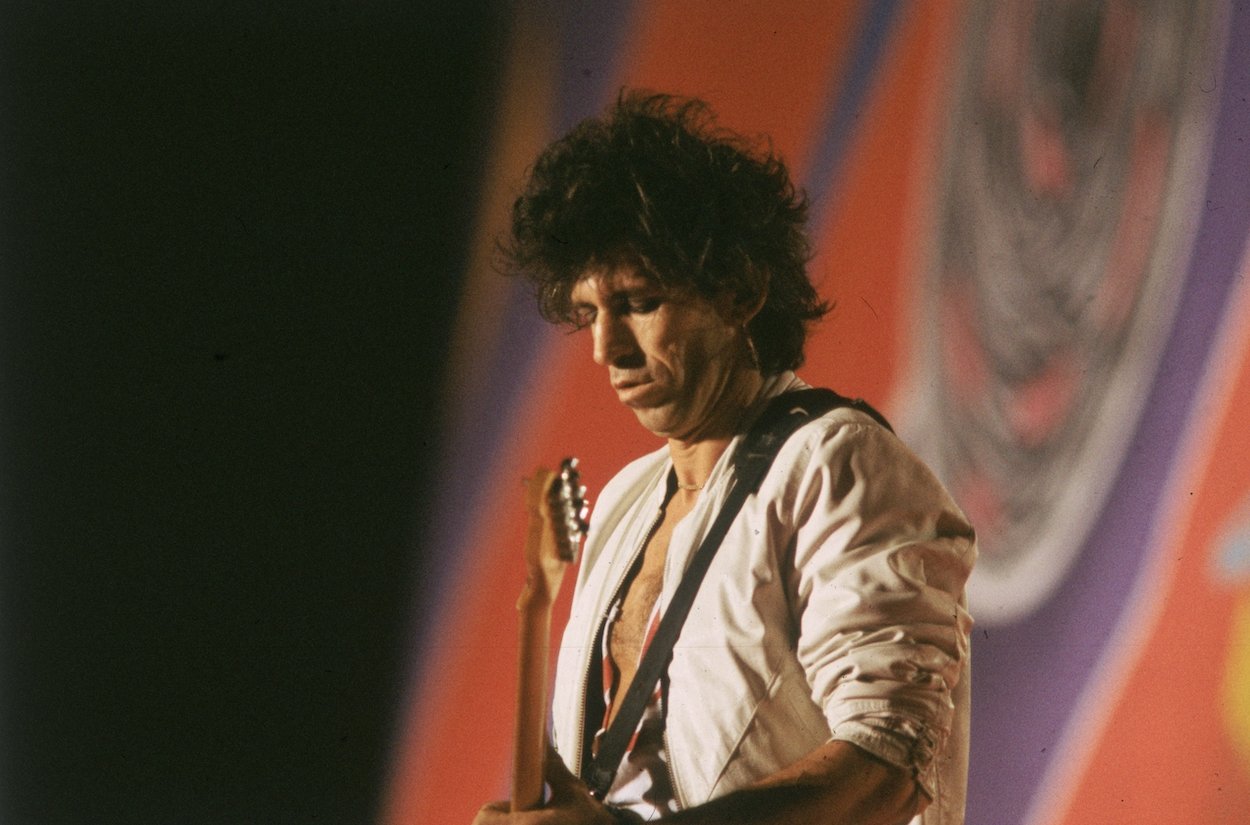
column 752, row 354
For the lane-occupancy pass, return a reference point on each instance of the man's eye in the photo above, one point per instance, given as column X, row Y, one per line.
column 643, row 306
column 583, row 317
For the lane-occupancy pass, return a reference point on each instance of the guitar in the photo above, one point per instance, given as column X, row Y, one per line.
column 557, row 521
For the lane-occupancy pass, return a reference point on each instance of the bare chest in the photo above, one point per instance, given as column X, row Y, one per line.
column 629, row 631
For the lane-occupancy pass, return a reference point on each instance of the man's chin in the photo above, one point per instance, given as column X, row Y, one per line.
column 656, row 420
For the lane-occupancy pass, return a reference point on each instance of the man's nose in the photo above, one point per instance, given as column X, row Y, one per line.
column 612, row 339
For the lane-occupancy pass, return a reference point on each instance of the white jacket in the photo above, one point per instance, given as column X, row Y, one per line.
column 834, row 609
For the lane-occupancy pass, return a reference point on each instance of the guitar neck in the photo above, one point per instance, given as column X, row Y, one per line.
column 530, row 739
column 557, row 522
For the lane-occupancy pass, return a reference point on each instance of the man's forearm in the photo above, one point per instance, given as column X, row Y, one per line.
column 836, row 783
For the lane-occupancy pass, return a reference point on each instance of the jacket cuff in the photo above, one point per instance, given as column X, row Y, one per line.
column 896, row 740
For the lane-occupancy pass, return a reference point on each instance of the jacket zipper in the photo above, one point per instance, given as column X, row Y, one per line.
column 678, row 795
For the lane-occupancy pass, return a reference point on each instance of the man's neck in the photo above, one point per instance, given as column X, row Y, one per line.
column 694, row 459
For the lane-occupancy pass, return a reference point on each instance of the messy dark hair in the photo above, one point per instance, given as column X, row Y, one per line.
column 654, row 184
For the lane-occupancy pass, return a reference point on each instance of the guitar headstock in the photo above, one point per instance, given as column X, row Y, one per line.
column 557, row 505
column 566, row 500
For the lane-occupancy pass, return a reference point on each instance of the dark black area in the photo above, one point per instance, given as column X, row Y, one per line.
column 231, row 244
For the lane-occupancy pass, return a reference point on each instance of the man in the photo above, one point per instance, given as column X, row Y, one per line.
column 821, row 675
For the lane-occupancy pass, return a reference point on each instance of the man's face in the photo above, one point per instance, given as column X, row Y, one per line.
column 672, row 358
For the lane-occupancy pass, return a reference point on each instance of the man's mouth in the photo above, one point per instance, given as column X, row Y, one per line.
column 630, row 388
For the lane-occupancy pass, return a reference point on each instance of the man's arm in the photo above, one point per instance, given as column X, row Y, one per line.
column 836, row 783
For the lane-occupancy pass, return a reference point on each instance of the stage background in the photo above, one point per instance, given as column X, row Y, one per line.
column 1032, row 218
column 267, row 407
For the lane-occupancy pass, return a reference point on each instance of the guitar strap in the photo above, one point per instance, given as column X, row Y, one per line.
column 784, row 414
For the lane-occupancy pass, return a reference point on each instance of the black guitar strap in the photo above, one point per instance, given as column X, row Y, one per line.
column 755, row 454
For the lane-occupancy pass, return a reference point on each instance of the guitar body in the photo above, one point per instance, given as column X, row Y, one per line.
column 557, row 512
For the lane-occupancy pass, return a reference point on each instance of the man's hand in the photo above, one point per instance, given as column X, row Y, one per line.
column 570, row 803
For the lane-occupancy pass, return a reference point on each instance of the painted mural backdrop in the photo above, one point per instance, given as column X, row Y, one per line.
column 1033, row 218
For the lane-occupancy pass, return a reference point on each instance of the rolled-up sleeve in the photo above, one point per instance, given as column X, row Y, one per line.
column 881, row 556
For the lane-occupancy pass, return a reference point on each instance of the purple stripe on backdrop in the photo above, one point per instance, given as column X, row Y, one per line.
column 590, row 37
column 1028, row 676
column 592, row 41
column 848, row 92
